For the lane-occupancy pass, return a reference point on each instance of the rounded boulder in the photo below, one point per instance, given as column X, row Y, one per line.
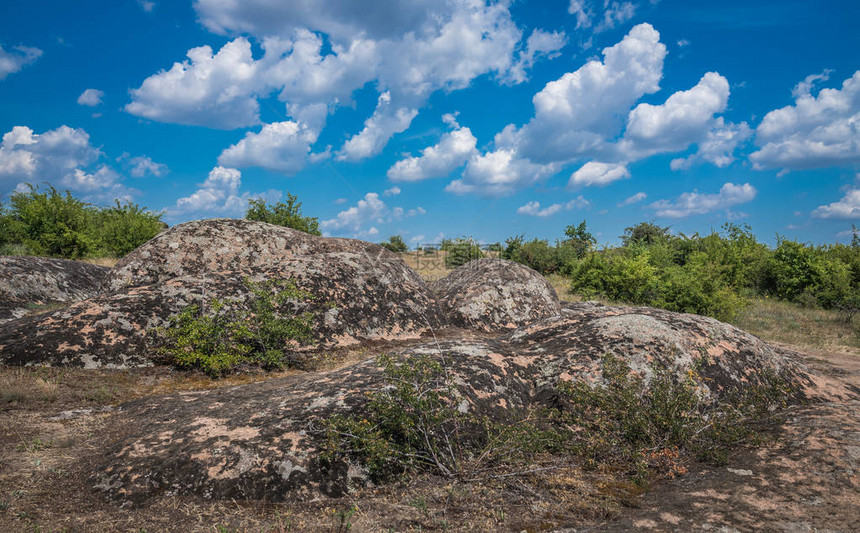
column 494, row 295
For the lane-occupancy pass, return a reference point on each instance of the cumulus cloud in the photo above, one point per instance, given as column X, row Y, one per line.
column 848, row 208
column 499, row 173
column 386, row 120
column 815, row 132
column 439, row 160
column 280, row 146
column 684, row 118
column 394, row 191
column 50, row 156
column 217, row 90
column 695, row 203
column 91, row 97
column 595, row 173
column 577, row 113
column 370, row 210
column 16, row 59
column 321, row 53
column 533, row 208
column 218, row 194
column 636, row 198
column 146, row 5
column 718, row 147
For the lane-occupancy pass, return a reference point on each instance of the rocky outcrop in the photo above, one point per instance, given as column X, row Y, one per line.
column 26, row 283
column 262, row 440
column 495, row 295
column 217, row 245
column 360, row 292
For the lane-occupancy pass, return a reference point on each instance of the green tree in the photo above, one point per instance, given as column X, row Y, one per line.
column 287, row 214
column 395, row 244
column 645, row 233
column 580, row 239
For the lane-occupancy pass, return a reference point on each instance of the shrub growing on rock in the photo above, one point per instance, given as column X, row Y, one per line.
column 224, row 336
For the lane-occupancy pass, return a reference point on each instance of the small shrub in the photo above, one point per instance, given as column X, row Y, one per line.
column 225, row 336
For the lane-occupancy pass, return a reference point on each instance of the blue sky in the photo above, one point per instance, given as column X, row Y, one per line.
column 429, row 118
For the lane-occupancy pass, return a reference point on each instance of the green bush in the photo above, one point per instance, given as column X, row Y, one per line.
column 616, row 276
column 47, row 222
column 395, row 244
column 225, row 335
column 124, row 227
column 539, row 255
column 283, row 214
column 460, row 251
column 623, row 423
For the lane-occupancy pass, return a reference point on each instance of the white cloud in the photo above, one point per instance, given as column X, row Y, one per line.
column 815, row 132
column 804, row 88
column 321, row 53
column 91, row 97
column 394, row 191
column 499, row 173
column 576, row 114
column 370, row 210
column 718, row 147
column 218, row 194
column 540, row 44
column 143, row 165
column 146, row 5
column 386, row 120
column 13, row 61
column 280, row 146
column 695, row 203
column 50, row 156
column 533, row 208
column 614, row 13
column 214, row 90
column 439, row 160
column 848, row 208
column 636, row 198
column 683, row 119
column 595, row 173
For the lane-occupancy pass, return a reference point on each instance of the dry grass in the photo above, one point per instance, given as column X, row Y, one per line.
column 102, row 261
column 430, row 266
column 788, row 323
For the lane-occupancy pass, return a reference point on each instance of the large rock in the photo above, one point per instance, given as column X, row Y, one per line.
column 29, row 282
column 361, row 292
column 263, row 440
column 222, row 244
column 495, row 295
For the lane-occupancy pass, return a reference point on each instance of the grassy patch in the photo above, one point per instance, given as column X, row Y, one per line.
column 780, row 321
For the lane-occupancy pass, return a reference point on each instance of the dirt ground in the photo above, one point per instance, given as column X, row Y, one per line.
column 804, row 478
